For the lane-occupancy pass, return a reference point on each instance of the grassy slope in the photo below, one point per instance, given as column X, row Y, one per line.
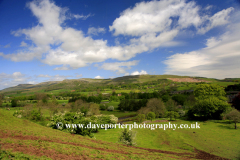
column 27, row 138
column 217, row 138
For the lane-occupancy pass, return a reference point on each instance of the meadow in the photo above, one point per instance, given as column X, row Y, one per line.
column 21, row 138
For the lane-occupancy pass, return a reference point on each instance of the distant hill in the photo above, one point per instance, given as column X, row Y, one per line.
column 72, row 84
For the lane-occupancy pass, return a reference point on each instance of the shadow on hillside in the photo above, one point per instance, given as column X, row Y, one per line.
column 229, row 126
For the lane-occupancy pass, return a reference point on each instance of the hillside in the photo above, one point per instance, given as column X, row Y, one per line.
column 93, row 84
column 22, row 139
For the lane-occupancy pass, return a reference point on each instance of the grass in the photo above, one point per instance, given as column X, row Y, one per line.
column 118, row 113
column 214, row 137
column 28, row 139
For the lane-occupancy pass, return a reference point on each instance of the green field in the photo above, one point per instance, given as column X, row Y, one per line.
column 215, row 137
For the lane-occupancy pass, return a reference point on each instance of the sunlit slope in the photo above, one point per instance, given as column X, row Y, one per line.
column 30, row 139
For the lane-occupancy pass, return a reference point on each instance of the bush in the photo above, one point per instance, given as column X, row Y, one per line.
column 151, row 116
column 78, row 118
column 127, row 137
column 181, row 113
column 14, row 103
column 110, row 108
column 36, row 115
column 140, row 118
column 30, row 113
column 102, row 107
column 172, row 115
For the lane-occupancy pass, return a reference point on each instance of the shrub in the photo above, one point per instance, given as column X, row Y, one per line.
column 140, row 118
column 14, row 103
column 78, row 118
column 181, row 113
column 110, row 108
column 36, row 115
column 172, row 115
column 127, row 137
column 102, row 107
column 151, row 116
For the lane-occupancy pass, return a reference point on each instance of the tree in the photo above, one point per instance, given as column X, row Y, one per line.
column 157, row 106
column 171, row 105
column 127, row 137
column 151, row 116
column 210, row 102
column 236, row 102
column 234, row 116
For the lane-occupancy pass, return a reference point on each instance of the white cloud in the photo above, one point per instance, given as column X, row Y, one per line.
column 139, row 73
column 95, row 31
column 120, row 67
column 98, row 77
column 77, row 16
column 9, row 80
column 58, row 78
column 157, row 17
column 64, row 67
column 79, row 75
column 53, row 78
column 7, row 46
column 44, row 75
column 208, row 7
column 219, row 18
column 153, row 24
column 23, row 44
column 219, row 59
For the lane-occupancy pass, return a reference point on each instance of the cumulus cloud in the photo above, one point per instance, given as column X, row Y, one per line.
column 23, row 44
column 139, row 73
column 120, row 67
column 219, row 59
column 158, row 17
column 98, row 77
column 149, row 24
column 95, row 31
column 9, row 80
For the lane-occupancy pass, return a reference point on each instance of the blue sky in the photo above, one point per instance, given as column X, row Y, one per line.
column 46, row 40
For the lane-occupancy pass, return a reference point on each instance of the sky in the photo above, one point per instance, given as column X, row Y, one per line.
column 47, row 40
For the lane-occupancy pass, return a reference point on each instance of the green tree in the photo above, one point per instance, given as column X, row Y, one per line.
column 234, row 116
column 151, row 116
column 236, row 102
column 172, row 115
column 127, row 137
column 171, row 105
column 210, row 102
column 157, row 106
